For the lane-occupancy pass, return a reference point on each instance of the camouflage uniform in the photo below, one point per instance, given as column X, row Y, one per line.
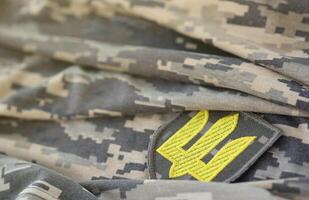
column 86, row 84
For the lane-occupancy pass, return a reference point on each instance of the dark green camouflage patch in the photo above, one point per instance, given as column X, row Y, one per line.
column 247, row 125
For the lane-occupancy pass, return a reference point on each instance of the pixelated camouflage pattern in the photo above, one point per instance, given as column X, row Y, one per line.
column 289, row 188
column 96, row 148
column 59, row 90
column 174, row 65
column 172, row 190
column 281, row 189
column 22, row 180
column 271, row 33
column 289, row 156
column 114, row 148
column 85, row 83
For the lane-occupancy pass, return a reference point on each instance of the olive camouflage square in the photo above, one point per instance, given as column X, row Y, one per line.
column 209, row 146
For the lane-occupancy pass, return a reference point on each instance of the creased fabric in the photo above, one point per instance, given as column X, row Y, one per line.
column 85, row 85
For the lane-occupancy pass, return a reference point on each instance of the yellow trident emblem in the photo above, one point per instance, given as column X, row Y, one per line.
column 189, row 161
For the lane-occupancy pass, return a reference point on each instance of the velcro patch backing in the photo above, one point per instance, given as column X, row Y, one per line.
column 209, row 146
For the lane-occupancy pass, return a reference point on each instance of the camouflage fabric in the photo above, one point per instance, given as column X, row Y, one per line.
column 24, row 180
column 85, row 84
column 168, row 64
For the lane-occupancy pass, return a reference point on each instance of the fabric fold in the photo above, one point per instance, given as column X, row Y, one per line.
column 25, row 180
column 173, row 65
column 34, row 89
column 274, row 35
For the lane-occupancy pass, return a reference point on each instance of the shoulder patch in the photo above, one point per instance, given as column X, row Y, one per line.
column 209, row 146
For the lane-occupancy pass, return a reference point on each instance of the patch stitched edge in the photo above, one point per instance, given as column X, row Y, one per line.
column 254, row 117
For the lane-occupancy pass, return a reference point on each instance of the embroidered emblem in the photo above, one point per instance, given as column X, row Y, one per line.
column 190, row 161
column 219, row 140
